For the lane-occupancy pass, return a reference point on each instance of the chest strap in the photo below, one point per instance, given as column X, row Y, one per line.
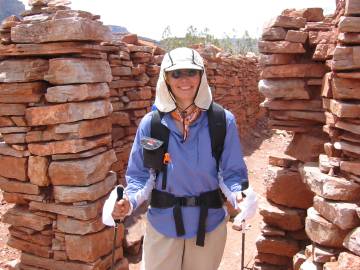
column 206, row 200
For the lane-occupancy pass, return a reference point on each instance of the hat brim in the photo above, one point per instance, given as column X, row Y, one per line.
column 183, row 66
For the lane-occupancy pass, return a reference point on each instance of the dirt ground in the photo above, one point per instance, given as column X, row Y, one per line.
column 257, row 149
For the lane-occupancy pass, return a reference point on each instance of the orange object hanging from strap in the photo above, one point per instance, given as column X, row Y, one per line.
column 166, row 159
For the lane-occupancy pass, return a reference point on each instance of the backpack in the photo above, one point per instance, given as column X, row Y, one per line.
column 217, row 131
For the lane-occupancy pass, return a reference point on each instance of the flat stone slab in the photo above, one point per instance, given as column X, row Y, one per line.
column 282, row 217
column 17, row 186
column 346, row 58
column 345, row 88
column 21, row 216
column 86, row 248
column 13, row 167
column 23, row 70
column 60, row 30
column 349, row 24
column 352, row 241
column 285, row 89
column 83, row 172
column 81, row 92
column 322, row 231
column 81, row 227
column 21, row 92
column 294, row 71
column 78, row 70
column 329, row 187
column 339, row 213
column 293, row 105
column 285, row 187
column 68, row 146
column 347, row 260
column 83, row 212
column 277, row 245
column 66, row 194
column 280, row 47
column 288, row 22
column 67, row 112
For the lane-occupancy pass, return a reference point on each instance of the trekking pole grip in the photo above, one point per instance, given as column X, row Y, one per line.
column 120, row 195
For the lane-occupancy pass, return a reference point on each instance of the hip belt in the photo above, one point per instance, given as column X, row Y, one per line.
column 206, row 200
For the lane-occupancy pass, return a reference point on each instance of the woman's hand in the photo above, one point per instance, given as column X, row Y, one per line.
column 121, row 209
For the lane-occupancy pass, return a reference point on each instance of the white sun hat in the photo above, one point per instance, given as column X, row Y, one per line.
column 181, row 58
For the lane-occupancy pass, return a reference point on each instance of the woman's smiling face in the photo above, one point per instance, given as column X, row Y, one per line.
column 184, row 84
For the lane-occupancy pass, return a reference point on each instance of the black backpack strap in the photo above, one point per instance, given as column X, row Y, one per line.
column 217, row 130
column 162, row 133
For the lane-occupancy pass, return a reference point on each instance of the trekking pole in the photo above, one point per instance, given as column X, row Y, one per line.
column 243, row 226
column 120, row 193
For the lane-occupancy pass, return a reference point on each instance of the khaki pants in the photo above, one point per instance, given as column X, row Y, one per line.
column 164, row 253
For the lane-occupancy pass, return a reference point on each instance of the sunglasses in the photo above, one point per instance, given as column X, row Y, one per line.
column 180, row 73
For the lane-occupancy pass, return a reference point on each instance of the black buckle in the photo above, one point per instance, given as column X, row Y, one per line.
column 187, row 201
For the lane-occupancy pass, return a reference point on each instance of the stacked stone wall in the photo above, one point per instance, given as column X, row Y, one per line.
column 333, row 222
column 56, row 153
column 295, row 47
column 328, row 170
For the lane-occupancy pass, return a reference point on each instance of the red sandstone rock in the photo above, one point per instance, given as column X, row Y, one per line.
column 21, row 216
column 288, row 22
column 12, row 109
column 29, row 247
column 329, row 187
column 60, row 30
column 298, row 260
column 280, row 47
column 294, row 71
column 68, row 146
column 35, row 238
column 93, row 192
column 81, row 172
column 81, row 227
column 344, row 109
column 348, row 261
column 277, row 245
column 352, row 7
column 310, row 14
column 298, row 105
column 352, row 241
column 346, row 58
column 273, row 34
column 314, row 146
column 17, row 186
column 296, row 36
column 350, row 166
column 340, row 213
column 120, row 118
column 322, row 231
column 282, row 217
column 86, row 248
column 13, row 167
column 349, row 24
column 23, row 70
column 78, row 70
column 276, row 59
column 68, row 112
column 286, row 188
column 272, row 259
column 21, row 92
column 6, row 150
column 68, row 93
column 37, row 171
column 83, row 212
column 285, row 89
column 345, row 88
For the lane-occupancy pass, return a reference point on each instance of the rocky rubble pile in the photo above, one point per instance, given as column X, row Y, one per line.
column 295, row 47
column 56, row 154
column 333, row 223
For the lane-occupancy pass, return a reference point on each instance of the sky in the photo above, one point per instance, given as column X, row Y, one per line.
column 149, row 18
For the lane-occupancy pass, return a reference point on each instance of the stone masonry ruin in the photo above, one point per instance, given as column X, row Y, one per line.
column 310, row 78
column 71, row 97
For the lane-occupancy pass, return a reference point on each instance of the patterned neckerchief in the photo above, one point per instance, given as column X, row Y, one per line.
column 186, row 119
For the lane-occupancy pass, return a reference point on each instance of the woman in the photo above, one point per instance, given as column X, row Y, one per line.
column 186, row 226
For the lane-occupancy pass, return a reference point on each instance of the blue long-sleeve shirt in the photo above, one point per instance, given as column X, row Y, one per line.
column 192, row 171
